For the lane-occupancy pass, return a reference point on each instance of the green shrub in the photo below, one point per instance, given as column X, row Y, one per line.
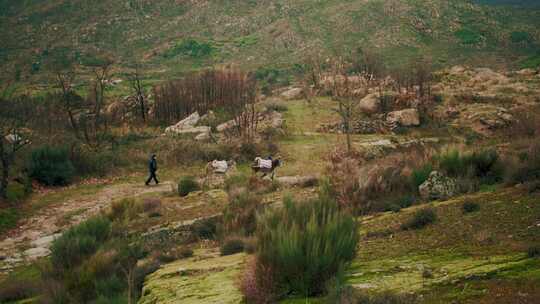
column 419, row 176
column 109, row 286
column 303, row 245
column 51, row 166
column 278, row 107
column 469, row 207
column 248, row 151
column 91, row 163
column 8, row 218
column 401, row 202
column 187, row 185
column 452, row 163
column 15, row 289
column 184, row 252
column 485, row 166
column 468, row 36
column 533, row 252
column 125, row 209
column 204, row 229
column 240, row 215
column 528, row 170
column 236, row 181
column 232, row 246
column 174, row 254
column 521, row 37
column 420, row 219
column 79, row 242
column 15, row 193
column 191, row 48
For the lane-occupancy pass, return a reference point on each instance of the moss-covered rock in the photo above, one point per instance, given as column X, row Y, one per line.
column 205, row 278
column 407, row 273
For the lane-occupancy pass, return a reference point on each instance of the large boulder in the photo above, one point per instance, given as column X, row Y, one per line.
column 485, row 76
column 405, row 118
column 276, row 120
column 292, row 94
column 226, row 126
column 203, row 137
column 189, row 130
column 438, row 186
column 187, row 125
column 370, row 104
column 526, row 72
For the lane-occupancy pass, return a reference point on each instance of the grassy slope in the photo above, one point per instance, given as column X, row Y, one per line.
column 255, row 33
column 474, row 258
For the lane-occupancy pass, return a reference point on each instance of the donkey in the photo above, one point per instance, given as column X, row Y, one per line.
column 266, row 166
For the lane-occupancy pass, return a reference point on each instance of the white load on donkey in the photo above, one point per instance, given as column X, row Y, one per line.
column 266, row 166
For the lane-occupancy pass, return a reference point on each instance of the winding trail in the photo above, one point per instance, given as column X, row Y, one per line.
column 34, row 235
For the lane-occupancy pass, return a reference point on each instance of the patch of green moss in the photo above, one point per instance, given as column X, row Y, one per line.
column 405, row 273
column 205, row 278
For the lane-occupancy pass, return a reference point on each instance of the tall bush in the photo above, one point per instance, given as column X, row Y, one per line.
column 186, row 185
column 420, row 175
column 51, row 166
column 482, row 165
column 79, row 242
column 304, row 244
column 240, row 215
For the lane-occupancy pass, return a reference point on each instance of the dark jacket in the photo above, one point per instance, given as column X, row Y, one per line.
column 152, row 165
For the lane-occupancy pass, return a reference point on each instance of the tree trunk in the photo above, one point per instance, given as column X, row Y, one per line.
column 5, row 170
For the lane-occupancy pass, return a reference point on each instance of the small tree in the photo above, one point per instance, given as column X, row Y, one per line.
column 304, row 244
column 347, row 97
column 92, row 120
column 128, row 256
column 139, row 93
column 15, row 115
column 62, row 64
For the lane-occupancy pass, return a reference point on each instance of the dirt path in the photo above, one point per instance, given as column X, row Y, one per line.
column 34, row 235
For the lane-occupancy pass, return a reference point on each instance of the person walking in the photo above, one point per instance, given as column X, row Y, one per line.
column 152, row 168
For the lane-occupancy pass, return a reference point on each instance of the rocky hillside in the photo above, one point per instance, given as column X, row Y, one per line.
column 178, row 35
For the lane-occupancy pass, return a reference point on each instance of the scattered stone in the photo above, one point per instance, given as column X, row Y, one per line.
column 486, row 76
column 45, row 241
column 526, row 72
column 292, row 94
column 405, row 118
column 203, row 137
column 37, row 252
column 457, row 69
column 187, row 125
column 226, row 126
column 276, row 120
column 370, row 104
column 438, row 186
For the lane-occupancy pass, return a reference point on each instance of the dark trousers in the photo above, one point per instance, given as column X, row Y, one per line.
column 152, row 176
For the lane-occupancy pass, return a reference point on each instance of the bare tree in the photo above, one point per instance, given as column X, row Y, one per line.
column 15, row 116
column 62, row 65
column 139, row 92
column 92, row 120
column 347, row 96
column 129, row 256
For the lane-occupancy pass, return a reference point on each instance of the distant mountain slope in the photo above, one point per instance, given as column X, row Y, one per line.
column 174, row 35
column 511, row 2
